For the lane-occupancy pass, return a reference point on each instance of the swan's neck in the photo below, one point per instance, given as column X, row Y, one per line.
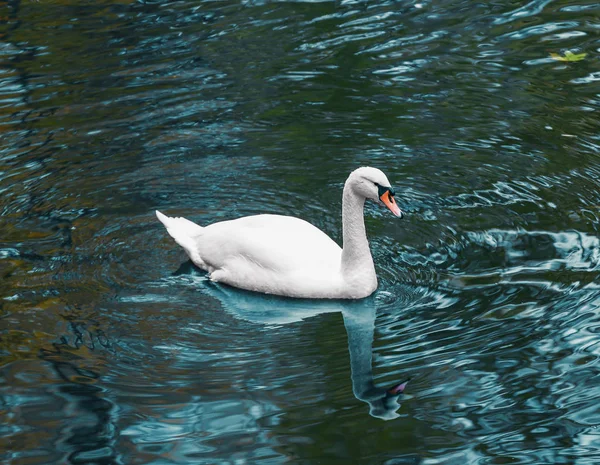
column 356, row 256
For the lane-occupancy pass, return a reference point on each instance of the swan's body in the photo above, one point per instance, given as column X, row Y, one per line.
column 288, row 256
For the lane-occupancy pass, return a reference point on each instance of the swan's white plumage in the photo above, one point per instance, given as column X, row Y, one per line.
column 284, row 255
column 185, row 233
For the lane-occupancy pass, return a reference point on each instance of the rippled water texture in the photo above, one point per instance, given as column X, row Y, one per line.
column 116, row 350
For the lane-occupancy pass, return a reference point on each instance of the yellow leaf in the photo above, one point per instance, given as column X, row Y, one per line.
column 569, row 56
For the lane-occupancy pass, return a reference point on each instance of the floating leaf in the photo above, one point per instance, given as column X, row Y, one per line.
column 569, row 56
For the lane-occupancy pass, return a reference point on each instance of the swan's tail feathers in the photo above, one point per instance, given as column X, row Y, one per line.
column 185, row 233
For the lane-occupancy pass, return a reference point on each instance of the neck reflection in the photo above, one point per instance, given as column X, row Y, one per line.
column 359, row 320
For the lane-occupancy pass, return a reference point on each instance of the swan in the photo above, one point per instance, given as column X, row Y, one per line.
column 288, row 256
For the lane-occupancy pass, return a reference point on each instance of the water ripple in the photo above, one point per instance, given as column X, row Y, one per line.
column 532, row 8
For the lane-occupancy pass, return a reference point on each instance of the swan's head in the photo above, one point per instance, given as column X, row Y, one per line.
column 373, row 184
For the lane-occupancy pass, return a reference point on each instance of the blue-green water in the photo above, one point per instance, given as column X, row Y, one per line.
column 115, row 350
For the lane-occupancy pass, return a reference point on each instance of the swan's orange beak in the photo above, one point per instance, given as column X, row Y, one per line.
column 388, row 199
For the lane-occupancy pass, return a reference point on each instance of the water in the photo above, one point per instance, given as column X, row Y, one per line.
column 115, row 350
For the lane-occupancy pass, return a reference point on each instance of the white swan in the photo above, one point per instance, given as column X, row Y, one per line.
column 288, row 256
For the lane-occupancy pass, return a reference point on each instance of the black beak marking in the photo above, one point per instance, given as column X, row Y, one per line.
column 382, row 190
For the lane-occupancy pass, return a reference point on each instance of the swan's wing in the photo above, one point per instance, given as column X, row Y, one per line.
column 278, row 243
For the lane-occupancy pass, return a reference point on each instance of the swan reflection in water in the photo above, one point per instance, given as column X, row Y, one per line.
column 359, row 320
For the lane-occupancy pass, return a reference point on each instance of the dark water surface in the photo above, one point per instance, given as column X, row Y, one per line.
column 115, row 350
